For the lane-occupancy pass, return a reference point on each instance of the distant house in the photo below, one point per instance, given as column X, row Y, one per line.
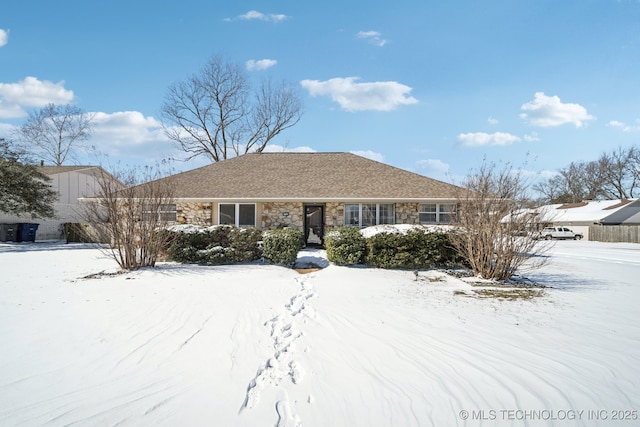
column 580, row 216
column 309, row 192
column 71, row 183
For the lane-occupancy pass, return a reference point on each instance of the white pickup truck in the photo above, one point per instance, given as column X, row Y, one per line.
column 549, row 233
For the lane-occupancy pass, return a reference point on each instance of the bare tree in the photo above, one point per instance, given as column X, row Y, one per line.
column 53, row 131
column 133, row 218
column 620, row 172
column 494, row 223
column 615, row 175
column 635, row 164
column 553, row 190
column 577, row 182
column 216, row 113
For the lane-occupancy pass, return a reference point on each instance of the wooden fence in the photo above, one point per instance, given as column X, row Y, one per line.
column 615, row 233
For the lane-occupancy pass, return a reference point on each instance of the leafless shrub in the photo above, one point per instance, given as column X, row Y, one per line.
column 495, row 227
column 131, row 216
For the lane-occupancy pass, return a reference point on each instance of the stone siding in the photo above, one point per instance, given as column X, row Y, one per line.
column 281, row 215
column 195, row 213
column 407, row 213
column 272, row 215
column 334, row 215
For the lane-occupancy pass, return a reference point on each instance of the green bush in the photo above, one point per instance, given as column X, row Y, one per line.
column 345, row 246
column 416, row 249
column 245, row 244
column 282, row 246
column 217, row 245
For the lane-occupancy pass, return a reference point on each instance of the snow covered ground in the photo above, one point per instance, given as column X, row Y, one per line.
column 261, row 345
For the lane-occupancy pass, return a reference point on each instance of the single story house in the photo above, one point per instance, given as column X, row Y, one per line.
column 307, row 191
column 71, row 183
column 580, row 216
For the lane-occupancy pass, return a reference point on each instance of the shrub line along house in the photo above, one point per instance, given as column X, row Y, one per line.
column 307, row 191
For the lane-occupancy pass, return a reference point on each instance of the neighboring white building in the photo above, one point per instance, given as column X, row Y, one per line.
column 72, row 183
column 579, row 216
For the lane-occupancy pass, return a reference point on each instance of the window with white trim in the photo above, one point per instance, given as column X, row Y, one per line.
column 238, row 214
column 165, row 212
column 436, row 213
column 368, row 214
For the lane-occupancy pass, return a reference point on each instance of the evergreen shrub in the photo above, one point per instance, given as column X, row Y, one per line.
column 245, row 244
column 217, row 245
column 345, row 246
column 414, row 250
column 282, row 246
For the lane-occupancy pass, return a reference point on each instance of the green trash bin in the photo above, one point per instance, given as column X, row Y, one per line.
column 8, row 232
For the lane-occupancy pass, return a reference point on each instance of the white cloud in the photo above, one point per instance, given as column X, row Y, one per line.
column 129, row 136
column 372, row 37
column 623, row 126
column 6, row 129
column 354, row 96
column 259, row 16
column 30, row 92
column 434, row 166
column 549, row 111
column 10, row 110
column 437, row 169
column 4, row 37
column 492, row 121
column 371, row 155
column 260, row 64
column 126, row 128
column 532, row 137
column 479, row 139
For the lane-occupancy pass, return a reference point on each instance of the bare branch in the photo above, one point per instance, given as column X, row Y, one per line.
column 132, row 218
column 216, row 114
column 54, row 131
column 494, row 226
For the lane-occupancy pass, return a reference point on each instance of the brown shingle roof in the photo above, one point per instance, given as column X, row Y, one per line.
column 573, row 205
column 618, row 205
column 319, row 176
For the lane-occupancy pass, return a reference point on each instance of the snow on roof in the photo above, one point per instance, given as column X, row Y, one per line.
column 588, row 211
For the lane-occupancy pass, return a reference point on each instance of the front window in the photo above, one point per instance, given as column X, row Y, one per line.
column 386, row 214
column 246, row 215
column 352, row 215
column 163, row 212
column 433, row 213
column 238, row 214
column 369, row 214
column 428, row 213
column 227, row 214
column 446, row 213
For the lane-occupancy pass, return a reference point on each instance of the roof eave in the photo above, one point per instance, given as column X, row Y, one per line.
column 314, row 199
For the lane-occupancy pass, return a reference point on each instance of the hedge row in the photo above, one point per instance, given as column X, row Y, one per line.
column 217, row 245
column 345, row 246
column 415, row 249
column 227, row 245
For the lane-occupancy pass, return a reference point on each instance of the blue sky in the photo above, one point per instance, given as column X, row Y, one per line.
column 429, row 86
